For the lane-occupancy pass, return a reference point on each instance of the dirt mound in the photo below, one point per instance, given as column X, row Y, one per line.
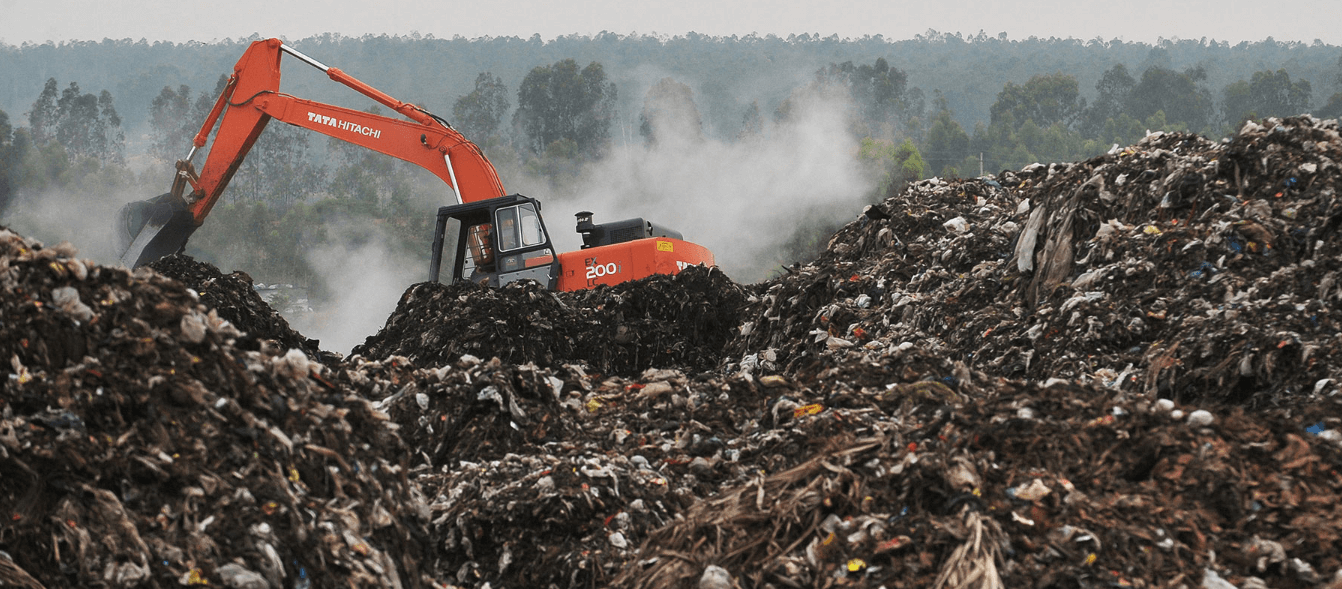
column 680, row 321
column 139, row 446
column 232, row 296
column 1180, row 267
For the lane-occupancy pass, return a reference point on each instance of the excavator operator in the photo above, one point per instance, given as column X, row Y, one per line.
column 482, row 253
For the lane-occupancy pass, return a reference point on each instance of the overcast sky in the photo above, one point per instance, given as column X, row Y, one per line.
column 38, row 21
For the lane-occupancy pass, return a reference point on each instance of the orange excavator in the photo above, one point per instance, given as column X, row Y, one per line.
column 488, row 236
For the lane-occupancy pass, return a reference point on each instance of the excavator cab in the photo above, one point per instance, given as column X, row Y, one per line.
column 493, row 242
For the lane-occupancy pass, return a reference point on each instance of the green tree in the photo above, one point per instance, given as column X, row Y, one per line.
column 278, row 171
column 42, row 118
column 669, row 109
column 877, row 90
column 479, row 113
column 1124, row 129
column 1333, row 108
column 1043, row 99
column 89, row 125
column 363, row 175
column 1267, row 94
column 559, row 164
column 13, row 149
column 909, row 166
column 752, row 124
column 1180, row 95
column 86, row 125
column 174, row 119
column 1111, row 94
column 168, row 113
column 560, row 101
column 947, row 142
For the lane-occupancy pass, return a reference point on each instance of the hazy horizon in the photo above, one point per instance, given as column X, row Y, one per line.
column 1222, row 20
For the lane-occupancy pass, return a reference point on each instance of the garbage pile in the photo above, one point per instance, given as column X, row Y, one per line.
column 1178, row 267
column 139, row 446
column 540, row 477
column 680, row 321
column 1027, row 487
column 236, row 301
column 1114, row 373
column 907, row 472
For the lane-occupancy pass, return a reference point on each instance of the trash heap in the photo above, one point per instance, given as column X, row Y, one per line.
column 1114, row 373
column 680, row 321
column 909, row 472
column 538, row 477
column 236, row 301
column 1179, row 267
column 1028, row 487
column 139, row 446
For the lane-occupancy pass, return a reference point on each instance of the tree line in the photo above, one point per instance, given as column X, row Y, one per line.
column 566, row 114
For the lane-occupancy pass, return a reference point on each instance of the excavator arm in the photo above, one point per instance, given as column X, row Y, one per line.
column 161, row 226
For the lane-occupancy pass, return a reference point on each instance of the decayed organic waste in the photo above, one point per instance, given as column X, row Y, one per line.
column 234, row 299
column 1118, row 372
column 680, row 321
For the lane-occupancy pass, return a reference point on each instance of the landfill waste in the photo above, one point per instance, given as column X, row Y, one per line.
column 140, row 447
column 1178, row 267
column 676, row 321
column 236, row 301
column 1121, row 372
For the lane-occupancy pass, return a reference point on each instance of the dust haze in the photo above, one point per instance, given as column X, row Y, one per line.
column 364, row 277
column 85, row 218
column 743, row 200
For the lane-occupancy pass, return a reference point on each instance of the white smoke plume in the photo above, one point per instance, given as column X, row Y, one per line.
column 364, row 277
column 84, row 217
column 742, row 200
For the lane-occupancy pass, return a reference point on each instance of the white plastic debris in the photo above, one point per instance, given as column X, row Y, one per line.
column 1200, row 418
column 715, row 577
column 1034, row 491
column 238, row 577
column 958, row 225
column 193, row 328
column 1211, row 580
column 66, row 298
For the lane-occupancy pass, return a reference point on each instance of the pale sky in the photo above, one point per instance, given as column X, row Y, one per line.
column 38, row 21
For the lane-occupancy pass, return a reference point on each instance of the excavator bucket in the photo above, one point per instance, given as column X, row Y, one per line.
column 154, row 228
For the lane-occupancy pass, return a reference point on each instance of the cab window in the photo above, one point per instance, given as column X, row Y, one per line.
column 533, row 232
column 519, row 226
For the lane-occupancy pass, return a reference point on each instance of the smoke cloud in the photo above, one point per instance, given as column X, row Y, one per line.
column 743, row 200
column 364, row 276
column 85, row 218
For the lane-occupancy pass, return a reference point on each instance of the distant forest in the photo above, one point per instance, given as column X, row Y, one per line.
column 727, row 74
column 935, row 105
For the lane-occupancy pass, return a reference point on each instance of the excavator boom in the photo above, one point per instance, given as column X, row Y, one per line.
column 161, row 226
